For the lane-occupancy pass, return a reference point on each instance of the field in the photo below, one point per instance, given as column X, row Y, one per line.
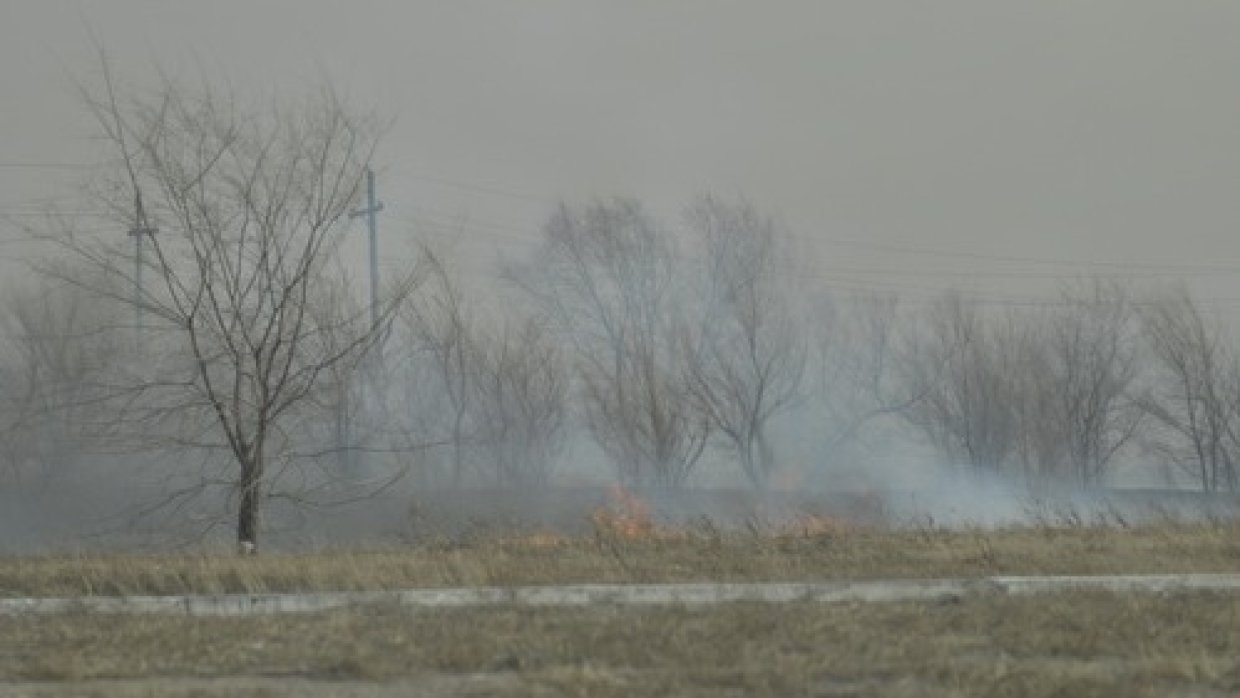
column 1075, row 642
column 823, row 551
column 1063, row 644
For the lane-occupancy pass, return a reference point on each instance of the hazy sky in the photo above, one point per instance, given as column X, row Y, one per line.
column 910, row 145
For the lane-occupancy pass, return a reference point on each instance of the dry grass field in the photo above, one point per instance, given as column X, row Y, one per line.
column 814, row 549
column 1064, row 644
column 1071, row 643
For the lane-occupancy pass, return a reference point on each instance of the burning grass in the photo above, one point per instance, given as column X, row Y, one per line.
column 626, row 516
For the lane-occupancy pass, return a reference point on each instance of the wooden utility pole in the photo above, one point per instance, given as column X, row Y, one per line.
column 141, row 228
column 371, row 211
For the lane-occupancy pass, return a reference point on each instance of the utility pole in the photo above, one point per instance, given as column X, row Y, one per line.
column 373, row 207
column 140, row 229
column 344, row 436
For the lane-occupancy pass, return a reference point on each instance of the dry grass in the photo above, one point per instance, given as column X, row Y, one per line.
column 700, row 554
column 1070, row 643
column 1073, row 643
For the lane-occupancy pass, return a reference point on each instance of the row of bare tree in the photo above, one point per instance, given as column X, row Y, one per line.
column 660, row 343
column 702, row 335
column 664, row 353
column 671, row 348
column 1066, row 391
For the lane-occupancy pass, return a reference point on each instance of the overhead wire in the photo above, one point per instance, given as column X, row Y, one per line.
column 830, row 278
column 469, row 186
column 850, row 278
column 32, row 165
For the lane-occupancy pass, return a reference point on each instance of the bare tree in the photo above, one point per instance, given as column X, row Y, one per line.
column 522, row 403
column 605, row 280
column 493, row 392
column 1040, row 384
column 746, row 356
column 1043, row 391
column 1194, row 396
column 56, row 343
column 865, row 359
column 1092, row 365
column 247, row 205
column 440, row 325
column 350, row 392
column 972, row 410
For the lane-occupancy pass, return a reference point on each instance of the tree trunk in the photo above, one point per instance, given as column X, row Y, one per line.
column 247, row 512
column 458, row 456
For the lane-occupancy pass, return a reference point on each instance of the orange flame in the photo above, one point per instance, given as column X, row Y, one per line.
column 625, row 515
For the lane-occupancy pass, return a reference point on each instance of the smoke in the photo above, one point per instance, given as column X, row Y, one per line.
column 101, row 510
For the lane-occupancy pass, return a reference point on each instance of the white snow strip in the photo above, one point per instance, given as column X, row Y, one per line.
column 620, row 594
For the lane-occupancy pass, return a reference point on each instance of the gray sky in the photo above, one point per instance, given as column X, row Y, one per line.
column 989, row 144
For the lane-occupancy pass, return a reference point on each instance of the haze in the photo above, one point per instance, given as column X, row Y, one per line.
column 1004, row 150
column 911, row 146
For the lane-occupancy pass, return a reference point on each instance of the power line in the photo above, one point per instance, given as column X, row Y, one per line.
column 519, row 234
column 865, row 244
column 54, row 213
column 836, row 280
column 960, row 254
column 480, row 188
column 863, row 278
column 36, row 201
column 869, row 244
column 15, row 165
